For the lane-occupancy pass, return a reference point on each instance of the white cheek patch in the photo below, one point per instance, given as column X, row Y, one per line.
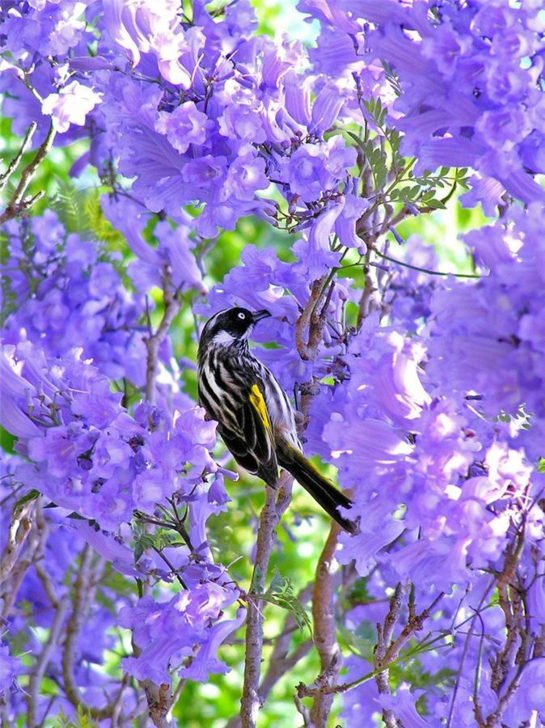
column 223, row 339
column 248, row 331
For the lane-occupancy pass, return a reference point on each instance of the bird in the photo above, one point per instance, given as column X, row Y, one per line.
column 255, row 417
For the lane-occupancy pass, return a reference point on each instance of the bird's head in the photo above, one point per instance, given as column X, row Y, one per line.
column 230, row 326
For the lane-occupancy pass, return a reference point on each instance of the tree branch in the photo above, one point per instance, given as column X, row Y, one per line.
column 325, row 629
column 280, row 663
column 12, row 166
column 154, row 340
column 19, row 529
column 83, row 593
column 60, row 605
column 17, row 205
column 277, row 500
column 309, row 327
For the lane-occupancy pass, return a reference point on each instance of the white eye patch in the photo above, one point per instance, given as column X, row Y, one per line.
column 242, row 315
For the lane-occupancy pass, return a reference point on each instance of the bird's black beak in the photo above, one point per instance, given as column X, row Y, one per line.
column 258, row 315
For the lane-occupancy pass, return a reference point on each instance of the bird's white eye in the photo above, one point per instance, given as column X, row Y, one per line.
column 242, row 315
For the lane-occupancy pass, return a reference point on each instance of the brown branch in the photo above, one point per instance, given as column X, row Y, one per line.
column 19, row 530
column 325, row 630
column 381, row 653
column 367, row 302
column 391, row 655
column 414, row 624
column 160, row 701
column 277, row 500
column 159, row 697
column 279, row 661
column 60, row 605
column 33, row 551
column 502, row 663
column 12, row 166
column 517, row 646
column 387, row 650
column 326, row 578
column 309, row 329
column 83, row 595
column 17, row 205
column 172, row 303
column 302, row 710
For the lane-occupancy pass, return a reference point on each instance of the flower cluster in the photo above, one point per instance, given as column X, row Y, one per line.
column 468, row 81
column 440, row 439
column 60, row 292
column 90, row 456
column 170, row 631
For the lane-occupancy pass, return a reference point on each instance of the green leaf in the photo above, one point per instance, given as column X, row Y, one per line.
column 69, row 204
column 359, row 142
column 30, row 496
column 280, row 593
column 436, row 205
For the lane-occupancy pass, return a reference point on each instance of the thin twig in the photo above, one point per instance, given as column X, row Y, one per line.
column 425, row 270
column 60, row 605
column 277, row 500
column 17, row 205
column 12, row 166
column 325, row 629
column 19, row 529
column 280, row 661
column 384, row 640
column 83, row 593
column 465, row 652
column 171, row 299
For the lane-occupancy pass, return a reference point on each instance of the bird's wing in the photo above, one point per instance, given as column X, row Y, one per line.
column 252, row 441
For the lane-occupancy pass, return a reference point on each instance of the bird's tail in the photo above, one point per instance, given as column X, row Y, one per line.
column 320, row 488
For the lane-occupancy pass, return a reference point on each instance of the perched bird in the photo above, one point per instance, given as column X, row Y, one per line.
column 254, row 415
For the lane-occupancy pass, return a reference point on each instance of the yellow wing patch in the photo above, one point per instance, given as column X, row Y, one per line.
column 259, row 404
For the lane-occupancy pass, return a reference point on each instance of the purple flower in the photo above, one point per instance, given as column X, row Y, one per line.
column 315, row 251
column 206, row 661
column 204, row 175
column 403, row 705
column 245, row 177
column 241, row 118
column 306, row 173
column 175, row 249
column 71, row 105
column 168, row 631
column 142, row 30
column 462, row 76
column 184, row 126
column 10, row 667
column 326, row 109
column 15, row 393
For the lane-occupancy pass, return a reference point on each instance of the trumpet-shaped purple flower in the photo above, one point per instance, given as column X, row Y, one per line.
column 184, row 126
column 469, row 80
column 169, row 631
column 70, row 106
column 10, row 667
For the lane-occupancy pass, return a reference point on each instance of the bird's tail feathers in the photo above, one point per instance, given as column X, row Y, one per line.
column 320, row 488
